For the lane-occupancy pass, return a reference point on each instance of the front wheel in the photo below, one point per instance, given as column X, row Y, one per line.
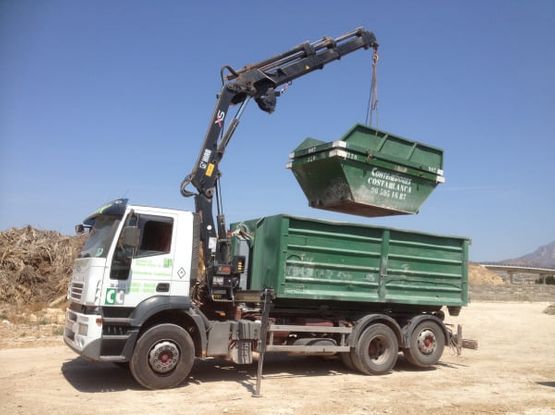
column 163, row 357
column 427, row 342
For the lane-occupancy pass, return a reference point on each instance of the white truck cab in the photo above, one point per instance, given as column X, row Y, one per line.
column 127, row 269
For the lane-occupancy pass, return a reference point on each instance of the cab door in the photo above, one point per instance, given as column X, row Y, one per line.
column 145, row 270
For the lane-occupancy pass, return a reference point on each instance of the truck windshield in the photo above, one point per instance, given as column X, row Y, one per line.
column 100, row 236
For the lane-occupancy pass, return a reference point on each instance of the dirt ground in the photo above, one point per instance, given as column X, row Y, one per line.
column 512, row 372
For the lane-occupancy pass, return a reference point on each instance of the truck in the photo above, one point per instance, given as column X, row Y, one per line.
column 154, row 288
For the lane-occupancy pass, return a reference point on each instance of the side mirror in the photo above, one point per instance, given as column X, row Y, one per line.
column 79, row 229
column 130, row 236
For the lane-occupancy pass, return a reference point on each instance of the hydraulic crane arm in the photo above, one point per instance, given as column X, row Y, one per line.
column 258, row 81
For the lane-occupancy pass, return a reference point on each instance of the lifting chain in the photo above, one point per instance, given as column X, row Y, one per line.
column 372, row 112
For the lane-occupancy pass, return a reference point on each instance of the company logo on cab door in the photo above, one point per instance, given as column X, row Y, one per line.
column 114, row 296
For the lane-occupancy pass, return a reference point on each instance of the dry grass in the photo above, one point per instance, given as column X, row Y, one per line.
column 35, row 265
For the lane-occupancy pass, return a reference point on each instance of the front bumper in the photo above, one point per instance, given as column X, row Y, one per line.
column 83, row 333
column 99, row 338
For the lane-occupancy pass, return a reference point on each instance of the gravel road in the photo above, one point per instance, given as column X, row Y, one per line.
column 512, row 372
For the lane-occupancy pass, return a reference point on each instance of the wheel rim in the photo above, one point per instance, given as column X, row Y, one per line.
column 426, row 342
column 378, row 349
column 163, row 356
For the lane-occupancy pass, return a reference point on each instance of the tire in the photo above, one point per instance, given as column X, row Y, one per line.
column 356, row 361
column 427, row 342
column 347, row 361
column 163, row 357
column 377, row 350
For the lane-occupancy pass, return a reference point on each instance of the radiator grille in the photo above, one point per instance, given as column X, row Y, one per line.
column 76, row 291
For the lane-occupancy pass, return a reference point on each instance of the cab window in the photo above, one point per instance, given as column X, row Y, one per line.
column 156, row 235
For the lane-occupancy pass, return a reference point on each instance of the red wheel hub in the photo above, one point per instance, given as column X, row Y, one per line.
column 426, row 342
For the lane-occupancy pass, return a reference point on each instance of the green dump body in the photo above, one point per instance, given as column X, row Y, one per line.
column 308, row 259
column 367, row 172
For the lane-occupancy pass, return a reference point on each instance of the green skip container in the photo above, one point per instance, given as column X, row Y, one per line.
column 305, row 260
column 367, row 172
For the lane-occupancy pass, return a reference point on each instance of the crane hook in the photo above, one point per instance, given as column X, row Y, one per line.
column 184, row 184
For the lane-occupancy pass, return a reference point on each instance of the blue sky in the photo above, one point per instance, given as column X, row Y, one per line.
column 105, row 99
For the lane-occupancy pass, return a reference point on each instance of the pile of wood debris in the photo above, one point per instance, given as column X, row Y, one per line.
column 35, row 265
column 478, row 275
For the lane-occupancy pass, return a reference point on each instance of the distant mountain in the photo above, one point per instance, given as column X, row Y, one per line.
column 543, row 257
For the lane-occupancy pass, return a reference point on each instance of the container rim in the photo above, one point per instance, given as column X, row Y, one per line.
column 360, row 225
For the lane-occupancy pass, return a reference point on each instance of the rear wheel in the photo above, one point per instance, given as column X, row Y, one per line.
column 347, row 361
column 427, row 343
column 376, row 351
column 163, row 357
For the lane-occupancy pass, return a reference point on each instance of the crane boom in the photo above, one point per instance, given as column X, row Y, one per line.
column 258, row 81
